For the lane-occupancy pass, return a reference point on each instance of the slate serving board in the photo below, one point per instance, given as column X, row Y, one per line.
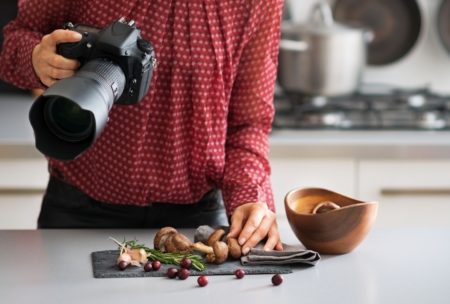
column 104, row 266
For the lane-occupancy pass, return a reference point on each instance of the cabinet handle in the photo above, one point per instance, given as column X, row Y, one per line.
column 415, row 191
column 21, row 191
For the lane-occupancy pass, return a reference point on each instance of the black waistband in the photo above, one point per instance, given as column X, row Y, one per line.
column 60, row 189
column 65, row 206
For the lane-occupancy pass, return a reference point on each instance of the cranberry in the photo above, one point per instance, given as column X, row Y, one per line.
column 172, row 273
column 122, row 265
column 239, row 273
column 277, row 279
column 186, row 263
column 202, row 281
column 148, row 267
column 156, row 265
column 183, row 273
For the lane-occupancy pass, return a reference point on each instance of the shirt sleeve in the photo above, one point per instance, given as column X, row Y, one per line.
column 247, row 169
column 35, row 18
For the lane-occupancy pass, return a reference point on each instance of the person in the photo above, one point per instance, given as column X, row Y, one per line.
column 203, row 126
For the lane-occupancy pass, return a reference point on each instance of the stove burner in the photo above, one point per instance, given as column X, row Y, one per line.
column 372, row 107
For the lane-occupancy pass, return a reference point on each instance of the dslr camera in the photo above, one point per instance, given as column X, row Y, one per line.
column 116, row 67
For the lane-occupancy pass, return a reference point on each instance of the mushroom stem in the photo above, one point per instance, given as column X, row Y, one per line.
column 216, row 236
column 200, row 247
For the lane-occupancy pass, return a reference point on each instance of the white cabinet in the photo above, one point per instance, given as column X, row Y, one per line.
column 22, row 184
column 289, row 173
column 411, row 193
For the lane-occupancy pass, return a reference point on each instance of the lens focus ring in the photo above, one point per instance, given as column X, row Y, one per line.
column 106, row 73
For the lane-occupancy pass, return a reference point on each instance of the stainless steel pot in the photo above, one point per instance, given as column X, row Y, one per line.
column 321, row 57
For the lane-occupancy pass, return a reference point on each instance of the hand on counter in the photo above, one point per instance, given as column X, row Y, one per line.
column 251, row 223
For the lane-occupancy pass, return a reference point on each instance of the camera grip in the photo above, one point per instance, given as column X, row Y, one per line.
column 77, row 50
column 71, row 50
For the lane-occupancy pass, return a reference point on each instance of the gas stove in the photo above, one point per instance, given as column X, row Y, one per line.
column 372, row 107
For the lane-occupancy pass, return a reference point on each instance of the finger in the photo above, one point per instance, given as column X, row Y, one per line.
column 253, row 222
column 279, row 246
column 59, row 73
column 60, row 62
column 273, row 240
column 60, row 36
column 237, row 220
column 259, row 234
column 48, row 81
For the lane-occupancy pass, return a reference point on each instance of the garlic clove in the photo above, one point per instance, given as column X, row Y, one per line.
column 138, row 255
column 124, row 257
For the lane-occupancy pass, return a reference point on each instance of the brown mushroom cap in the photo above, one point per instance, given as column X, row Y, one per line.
column 234, row 248
column 220, row 252
column 169, row 245
column 216, row 236
column 181, row 242
column 161, row 236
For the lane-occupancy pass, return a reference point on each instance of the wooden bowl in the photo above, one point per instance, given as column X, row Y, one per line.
column 334, row 232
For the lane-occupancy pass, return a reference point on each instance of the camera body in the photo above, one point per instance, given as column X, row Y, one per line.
column 121, row 43
column 116, row 67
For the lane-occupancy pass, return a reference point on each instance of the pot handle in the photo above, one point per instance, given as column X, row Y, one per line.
column 321, row 13
column 369, row 35
column 293, row 45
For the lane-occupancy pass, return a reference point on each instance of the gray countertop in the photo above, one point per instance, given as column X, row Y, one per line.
column 390, row 266
column 360, row 144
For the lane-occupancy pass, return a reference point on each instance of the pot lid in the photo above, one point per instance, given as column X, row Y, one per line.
column 396, row 25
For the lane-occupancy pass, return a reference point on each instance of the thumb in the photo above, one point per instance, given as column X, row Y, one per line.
column 60, row 36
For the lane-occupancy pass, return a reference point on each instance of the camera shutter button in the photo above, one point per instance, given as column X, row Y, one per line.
column 144, row 46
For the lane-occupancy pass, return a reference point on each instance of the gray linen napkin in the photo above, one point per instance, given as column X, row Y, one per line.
column 291, row 255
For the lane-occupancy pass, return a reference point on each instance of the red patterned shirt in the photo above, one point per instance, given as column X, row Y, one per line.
column 206, row 118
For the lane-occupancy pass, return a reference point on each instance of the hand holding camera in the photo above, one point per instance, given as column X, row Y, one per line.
column 50, row 66
column 116, row 66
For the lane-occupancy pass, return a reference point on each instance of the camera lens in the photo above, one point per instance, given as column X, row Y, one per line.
column 70, row 115
column 67, row 120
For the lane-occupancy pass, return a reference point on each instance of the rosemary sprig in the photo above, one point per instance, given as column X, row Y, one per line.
column 163, row 257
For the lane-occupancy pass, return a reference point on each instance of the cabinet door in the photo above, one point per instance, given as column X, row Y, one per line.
column 22, row 184
column 289, row 173
column 410, row 193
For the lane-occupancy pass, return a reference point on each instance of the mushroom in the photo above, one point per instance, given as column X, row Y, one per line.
column 220, row 252
column 234, row 248
column 217, row 253
column 325, row 207
column 177, row 242
column 182, row 242
column 169, row 246
column 161, row 237
column 216, row 236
